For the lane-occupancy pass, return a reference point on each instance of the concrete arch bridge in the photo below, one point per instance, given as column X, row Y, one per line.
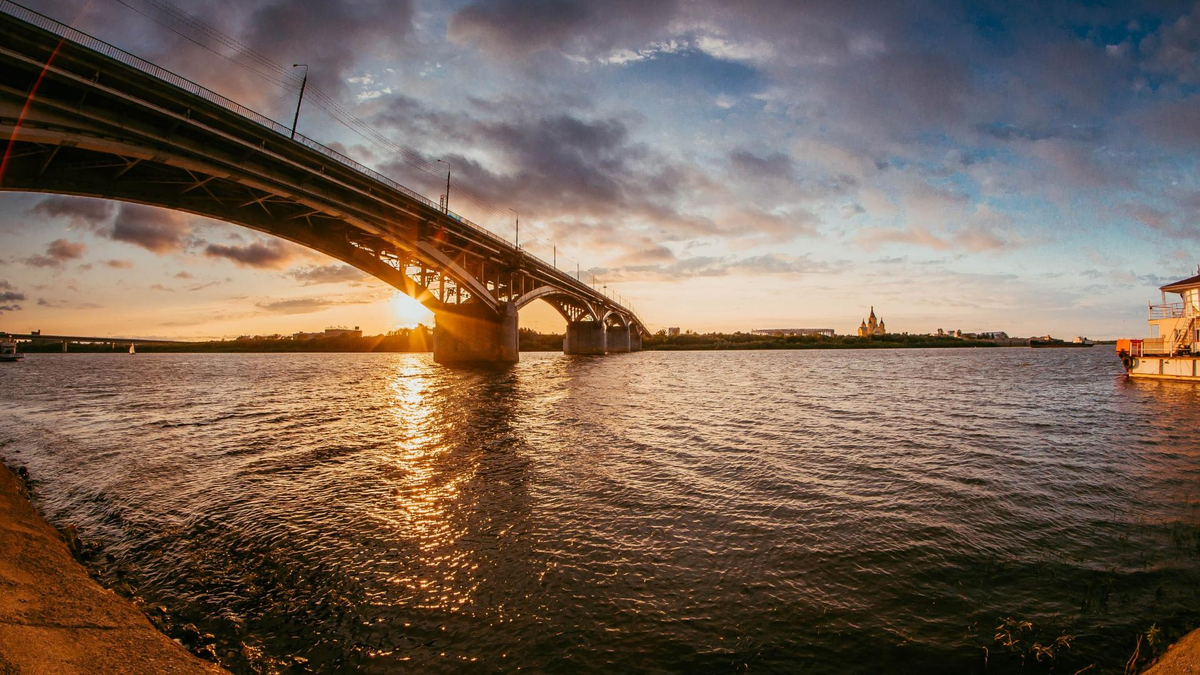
column 81, row 117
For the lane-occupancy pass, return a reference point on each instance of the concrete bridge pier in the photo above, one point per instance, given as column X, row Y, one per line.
column 476, row 337
column 618, row 340
column 585, row 337
column 635, row 340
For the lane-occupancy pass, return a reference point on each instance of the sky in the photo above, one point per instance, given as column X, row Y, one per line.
column 723, row 165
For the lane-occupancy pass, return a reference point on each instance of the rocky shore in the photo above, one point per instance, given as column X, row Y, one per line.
column 55, row 619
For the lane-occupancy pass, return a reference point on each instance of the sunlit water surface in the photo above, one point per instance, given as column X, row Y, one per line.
column 844, row 511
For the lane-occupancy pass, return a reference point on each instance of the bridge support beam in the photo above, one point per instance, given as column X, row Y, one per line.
column 585, row 337
column 635, row 340
column 476, row 338
column 618, row 340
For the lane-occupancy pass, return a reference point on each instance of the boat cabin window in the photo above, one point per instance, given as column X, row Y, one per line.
column 1153, row 330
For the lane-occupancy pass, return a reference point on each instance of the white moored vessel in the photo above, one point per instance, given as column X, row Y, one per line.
column 8, row 350
column 1173, row 348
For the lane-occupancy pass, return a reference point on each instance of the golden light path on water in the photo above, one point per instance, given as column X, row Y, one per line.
column 424, row 495
column 853, row 512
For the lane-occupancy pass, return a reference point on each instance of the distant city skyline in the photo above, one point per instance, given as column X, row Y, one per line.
column 978, row 167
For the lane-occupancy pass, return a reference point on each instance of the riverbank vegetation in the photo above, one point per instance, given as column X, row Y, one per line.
column 420, row 339
column 711, row 341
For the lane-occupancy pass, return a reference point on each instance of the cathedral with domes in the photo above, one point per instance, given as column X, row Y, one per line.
column 872, row 326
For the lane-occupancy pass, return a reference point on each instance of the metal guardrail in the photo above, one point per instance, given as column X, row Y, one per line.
column 116, row 53
column 1168, row 311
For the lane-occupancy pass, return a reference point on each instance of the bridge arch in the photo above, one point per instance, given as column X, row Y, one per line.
column 81, row 117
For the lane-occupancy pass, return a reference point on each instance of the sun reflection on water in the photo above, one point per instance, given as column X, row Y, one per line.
column 426, row 499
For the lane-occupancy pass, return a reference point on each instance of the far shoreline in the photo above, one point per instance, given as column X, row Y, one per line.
column 419, row 340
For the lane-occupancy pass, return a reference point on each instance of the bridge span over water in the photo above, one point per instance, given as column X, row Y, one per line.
column 81, row 117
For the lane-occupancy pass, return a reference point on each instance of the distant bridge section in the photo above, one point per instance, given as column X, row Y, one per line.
column 43, row 338
column 81, row 117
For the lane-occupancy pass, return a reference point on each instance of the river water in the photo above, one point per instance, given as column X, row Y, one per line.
column 821, row 511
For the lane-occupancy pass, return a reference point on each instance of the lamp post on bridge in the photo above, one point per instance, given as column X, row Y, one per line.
column 303, row 84
column 446, row 206
column 517, row 236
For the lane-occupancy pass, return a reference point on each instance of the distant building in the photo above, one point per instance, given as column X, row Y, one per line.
column 783, row 332
column 871, row 326
column 992, row 335
column 672, row 331
column 343, row 332
column 307, row 336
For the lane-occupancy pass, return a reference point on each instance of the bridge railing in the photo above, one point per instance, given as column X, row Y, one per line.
column 78, row 37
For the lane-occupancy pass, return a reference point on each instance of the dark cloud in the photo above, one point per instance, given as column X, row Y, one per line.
column 211, row 284
column 516, row 28
column 306, row 305
column 57, row 253
column 267, row 254
column 80, row 211
column 1174, row 49
column 1173, row 124
column 9, row 298
column 773, row 166
column 574, row 167
column 326, row 274
column 330, row 36
column 156, row 230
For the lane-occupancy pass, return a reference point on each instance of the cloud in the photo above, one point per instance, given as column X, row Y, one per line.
column 718, row 266
column 266, row 254
column 326, row 274
column 975, row 239
column 183, row 275
column 307, row 305
column 9, row 298
column 775, row 166
column 79, row 211
column 156, row 230
column 200, row 287
column 518, row 28
column 335, row 35
column 58, row 252
column 119, row 264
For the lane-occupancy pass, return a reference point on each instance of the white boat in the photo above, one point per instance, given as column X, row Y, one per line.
column 1172, row 352
column 8, row 351
column 132, row 350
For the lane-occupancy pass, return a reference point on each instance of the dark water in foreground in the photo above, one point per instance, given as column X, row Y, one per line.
column 843, row 511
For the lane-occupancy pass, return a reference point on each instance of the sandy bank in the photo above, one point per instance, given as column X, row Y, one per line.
column 55, row 619
column 1182, row 658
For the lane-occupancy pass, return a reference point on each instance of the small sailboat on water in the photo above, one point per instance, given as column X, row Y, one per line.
column 132, row 350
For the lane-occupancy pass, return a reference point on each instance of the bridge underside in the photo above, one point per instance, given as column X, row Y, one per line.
column 76, row 122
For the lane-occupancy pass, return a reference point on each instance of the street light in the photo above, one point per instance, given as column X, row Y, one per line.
column 517, row 236
column 303, row 84
column 447, row 206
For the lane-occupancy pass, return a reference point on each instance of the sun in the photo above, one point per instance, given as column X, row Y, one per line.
column 407, row 313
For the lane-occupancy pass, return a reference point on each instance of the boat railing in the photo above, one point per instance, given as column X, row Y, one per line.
column 1172, row 310
column 1156, row 345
